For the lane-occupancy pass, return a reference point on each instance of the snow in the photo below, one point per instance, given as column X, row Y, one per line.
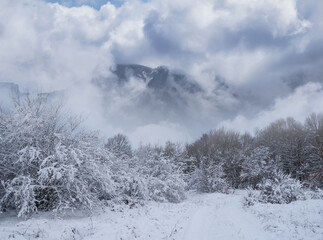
column 297, row 220
column 201, row 216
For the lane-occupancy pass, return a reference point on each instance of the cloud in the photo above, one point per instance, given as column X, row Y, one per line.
column 299, row 105
column 159, row 134
column 265, row 51
column 92, row 3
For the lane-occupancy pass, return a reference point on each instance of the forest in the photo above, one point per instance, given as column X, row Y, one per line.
column 50, row 162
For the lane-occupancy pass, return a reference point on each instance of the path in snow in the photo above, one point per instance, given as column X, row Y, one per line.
column 200, row 217
column 218, row 216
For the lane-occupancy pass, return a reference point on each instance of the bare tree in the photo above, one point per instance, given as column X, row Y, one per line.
column 314, row 133
column 119, row 145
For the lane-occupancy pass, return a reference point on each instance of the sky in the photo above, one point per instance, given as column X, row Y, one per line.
column 269, row 52
column 92, row 3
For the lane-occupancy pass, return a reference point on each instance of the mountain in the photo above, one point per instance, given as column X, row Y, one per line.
column 155, row 78
column 132, row 95
column 152, row 95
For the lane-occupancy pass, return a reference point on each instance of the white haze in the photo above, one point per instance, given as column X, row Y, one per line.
column 270, row 53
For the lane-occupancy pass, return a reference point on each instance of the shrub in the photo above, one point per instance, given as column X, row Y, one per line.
column 208, row 178
column 48, row 163
column 164, row 180
column 279, row 189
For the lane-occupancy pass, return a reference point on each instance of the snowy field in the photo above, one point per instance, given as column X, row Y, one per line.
column 201, row 216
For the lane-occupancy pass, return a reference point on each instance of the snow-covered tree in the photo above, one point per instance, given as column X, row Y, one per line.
column 164, row 179
column 208, row 177
column 119, row 145
column 257, row 166
column 296, row 148
column 220, row 147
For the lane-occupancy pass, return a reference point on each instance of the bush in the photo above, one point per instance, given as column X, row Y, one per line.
column 256, row 166
column 47, row 163
column 164, row 180
column 209, row 178
column 251, row 198
column 280, row 189
column 131, row 187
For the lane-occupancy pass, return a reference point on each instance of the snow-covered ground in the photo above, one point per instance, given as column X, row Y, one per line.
column 201, row 216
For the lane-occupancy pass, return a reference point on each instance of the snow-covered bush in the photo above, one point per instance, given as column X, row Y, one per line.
column 130, row 187
column 164, row 180
column 20, row 192
column 251, row 198
column 314, row 193
column 198, row 180
column 208, row 178
column 279, row 189
column 47, row 163
column 208, row 174
column 256, row 167
column 216, row 181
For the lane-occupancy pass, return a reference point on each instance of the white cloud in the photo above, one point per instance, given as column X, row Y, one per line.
column 159, row 134
column 205, row 35
column 299, row 105
column 253, row 44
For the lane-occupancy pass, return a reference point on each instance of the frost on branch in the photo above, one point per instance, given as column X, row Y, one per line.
column 279, row 189
column 164, row 180
column 256, row 167
column 208, row 178
column 47, row 163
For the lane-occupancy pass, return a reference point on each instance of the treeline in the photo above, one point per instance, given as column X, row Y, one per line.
column 285, row 146
column 48, row 162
